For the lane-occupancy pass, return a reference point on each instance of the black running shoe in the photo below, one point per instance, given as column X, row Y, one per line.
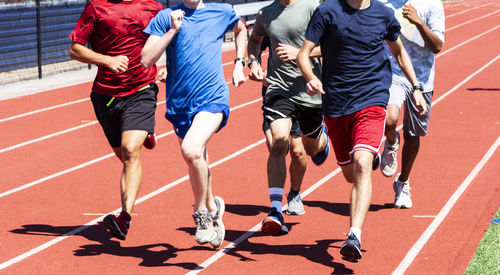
column 351, row 249
column 117, row 229
column 376, row 162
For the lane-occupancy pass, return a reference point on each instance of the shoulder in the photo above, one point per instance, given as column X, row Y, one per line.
column 225, row 7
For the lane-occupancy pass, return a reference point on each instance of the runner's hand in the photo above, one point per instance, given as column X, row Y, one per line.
column 176, row 19
column 256, row 72
column 287, row 52
column 420, row 102
column 162, row 74
column 238, row 75
column 117, row 64
column 410, row 13
column 314, row 86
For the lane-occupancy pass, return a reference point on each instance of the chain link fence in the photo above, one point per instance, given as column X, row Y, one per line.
column 34, row 33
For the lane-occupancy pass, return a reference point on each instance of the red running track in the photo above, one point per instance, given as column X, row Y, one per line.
column 57, row 180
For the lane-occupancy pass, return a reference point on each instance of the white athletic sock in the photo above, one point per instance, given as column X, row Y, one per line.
column 356, row 231
column 213, row 213
column 276, row 196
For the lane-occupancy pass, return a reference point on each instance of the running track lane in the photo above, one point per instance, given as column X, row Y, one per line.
column 162, row 251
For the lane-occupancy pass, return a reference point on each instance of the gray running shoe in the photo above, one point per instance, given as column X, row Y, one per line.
column 205, row 231
column 295, row 205
column 389, row 163
column 402, row 198
column 219, row 228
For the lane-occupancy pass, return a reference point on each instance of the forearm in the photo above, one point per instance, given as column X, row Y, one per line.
column 154, row 48
column 83, row 54
column 406, row 66
column 316, row 52
column 431, row 40
column 304, row 64
column 240, row 42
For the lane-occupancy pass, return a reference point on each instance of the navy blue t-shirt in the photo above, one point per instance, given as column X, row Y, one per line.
column 356, row 71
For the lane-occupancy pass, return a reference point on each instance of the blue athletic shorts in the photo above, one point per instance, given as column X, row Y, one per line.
column 182, row 122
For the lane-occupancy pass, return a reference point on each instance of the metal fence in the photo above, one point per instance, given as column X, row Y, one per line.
column 34, row 33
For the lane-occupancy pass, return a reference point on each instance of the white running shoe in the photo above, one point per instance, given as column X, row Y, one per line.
column 389, row 163
column 402, row 189
column 218, row 224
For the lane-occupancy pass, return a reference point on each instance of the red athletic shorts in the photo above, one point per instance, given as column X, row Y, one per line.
column 362, row 130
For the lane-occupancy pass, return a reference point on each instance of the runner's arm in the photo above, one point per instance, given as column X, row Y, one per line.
column 240, row 33
column 432, row 41
column 314, row 85
column 117, row 64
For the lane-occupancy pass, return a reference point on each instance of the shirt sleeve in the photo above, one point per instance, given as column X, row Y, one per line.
column 317, row 27
column 393, row 29
column 436, row 19
column 233, row 18
column 258, row 27
column 160, row 24
column 85, row 25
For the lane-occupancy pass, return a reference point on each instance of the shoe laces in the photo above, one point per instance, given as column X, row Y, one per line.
column 389, row 156
column 406, row 189
column 201, row 221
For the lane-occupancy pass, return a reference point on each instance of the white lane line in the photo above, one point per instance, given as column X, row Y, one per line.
column 256, row 228
column 80, row 166
column 410, row 256
column 46, row 137
column 75, row 101
column 140, row 200
column 467, row 10
column 44, row 109
column 466, row 41
column 68, row 131
column 161, row 102
column 249, row 233
column 472, row 20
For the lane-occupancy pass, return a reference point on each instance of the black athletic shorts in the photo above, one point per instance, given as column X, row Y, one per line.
column 295, row 131
column 310, row 119
column 119, row 114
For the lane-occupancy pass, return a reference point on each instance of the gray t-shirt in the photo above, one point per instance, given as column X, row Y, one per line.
column 287, row 25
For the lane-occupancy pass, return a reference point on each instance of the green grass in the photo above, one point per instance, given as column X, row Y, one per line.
column 487, row 256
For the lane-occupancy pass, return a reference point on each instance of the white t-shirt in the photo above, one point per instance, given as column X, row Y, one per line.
column 422, row 58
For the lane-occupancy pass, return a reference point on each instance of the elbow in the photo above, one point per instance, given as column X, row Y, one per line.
column 436, row 49
column 145, row 62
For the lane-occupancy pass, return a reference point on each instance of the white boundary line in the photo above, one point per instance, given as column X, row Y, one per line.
column 410, row 256
column 249, row 233
column 94, row 221
column 77, row 167
column 159, row 103
column 468, row 10
column 228, row 247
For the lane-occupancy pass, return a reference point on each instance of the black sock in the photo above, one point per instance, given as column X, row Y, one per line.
column 293, row 192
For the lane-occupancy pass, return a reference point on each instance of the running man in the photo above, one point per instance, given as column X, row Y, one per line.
column 298, row 162
column 197, row 93
column 422, row 34
column 123, row 93
column 356, row 79
column 286, row 98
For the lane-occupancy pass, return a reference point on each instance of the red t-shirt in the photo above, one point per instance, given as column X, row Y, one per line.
column 114, row 27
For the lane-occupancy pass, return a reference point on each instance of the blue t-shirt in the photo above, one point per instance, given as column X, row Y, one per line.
column 356, row 70
column 194, row 57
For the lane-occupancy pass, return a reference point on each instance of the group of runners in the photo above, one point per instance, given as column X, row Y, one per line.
column 338, row 72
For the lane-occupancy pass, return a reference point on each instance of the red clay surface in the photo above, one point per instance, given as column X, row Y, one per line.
column 464, row 125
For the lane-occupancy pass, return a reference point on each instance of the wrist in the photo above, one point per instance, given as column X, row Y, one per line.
column 418, row 87
column 251, row 61
column 240, row 60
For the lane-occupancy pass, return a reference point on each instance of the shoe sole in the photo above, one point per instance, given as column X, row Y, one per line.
column 350, row 253
column 270, row 226
column 293, row 213
column 216, row 245
column 401, row 206
column 386, row 174
column 112, row 227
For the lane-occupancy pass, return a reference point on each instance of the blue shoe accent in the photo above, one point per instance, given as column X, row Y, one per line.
column 320, row 157
column 351, row 249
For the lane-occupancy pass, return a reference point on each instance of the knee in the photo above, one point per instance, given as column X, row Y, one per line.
column 362, row 164
column 130, row 153
column 297, row 153
column 191, row 155
column 280, row 147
